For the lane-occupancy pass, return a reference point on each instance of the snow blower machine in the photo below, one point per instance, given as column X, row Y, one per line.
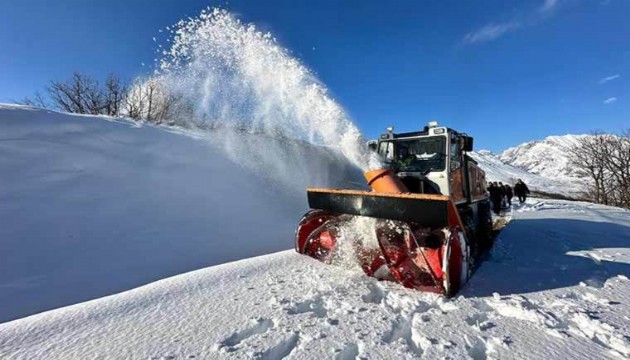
column 432, row 212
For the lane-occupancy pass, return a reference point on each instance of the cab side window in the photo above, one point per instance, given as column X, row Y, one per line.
column 454, row 154
column 386, row 150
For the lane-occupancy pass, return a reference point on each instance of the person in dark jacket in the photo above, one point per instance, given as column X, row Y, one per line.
column 503, row 202
column 509, row 194
column 495, row 197
column 521, row 190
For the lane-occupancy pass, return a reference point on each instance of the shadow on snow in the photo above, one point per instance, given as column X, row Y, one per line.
column 544, row 254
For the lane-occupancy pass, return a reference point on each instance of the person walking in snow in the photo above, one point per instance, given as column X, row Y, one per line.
column 495, row 197
column 509, row 194
column 503, row 194
column 521, row 190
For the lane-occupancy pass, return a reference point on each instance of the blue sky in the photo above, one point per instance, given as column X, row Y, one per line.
column 506, row 72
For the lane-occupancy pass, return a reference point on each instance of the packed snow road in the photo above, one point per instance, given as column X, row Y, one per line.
column 555, row 286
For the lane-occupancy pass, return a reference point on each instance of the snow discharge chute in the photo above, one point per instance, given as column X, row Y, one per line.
column 432, row 223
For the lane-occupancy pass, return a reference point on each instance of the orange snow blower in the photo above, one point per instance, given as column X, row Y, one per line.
column 432, row 212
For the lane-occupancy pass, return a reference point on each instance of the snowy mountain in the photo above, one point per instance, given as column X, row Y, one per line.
column 542, row 164
column 498, row 170
column 548, row 157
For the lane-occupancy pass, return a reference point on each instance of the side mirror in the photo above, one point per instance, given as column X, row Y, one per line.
column 372, row 145
column 468, row 143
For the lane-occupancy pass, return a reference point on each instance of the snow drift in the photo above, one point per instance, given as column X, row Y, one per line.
column 90, row 206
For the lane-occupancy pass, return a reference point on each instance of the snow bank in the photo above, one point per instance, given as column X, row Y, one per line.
column 555, row 286
column 91, row 206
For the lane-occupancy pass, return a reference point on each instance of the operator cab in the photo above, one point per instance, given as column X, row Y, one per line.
column 428, row 161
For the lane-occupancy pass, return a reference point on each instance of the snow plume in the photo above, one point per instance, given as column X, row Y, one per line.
column 234, row 76
column 357, row 235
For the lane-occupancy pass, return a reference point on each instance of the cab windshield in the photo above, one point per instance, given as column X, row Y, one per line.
column 423, row 154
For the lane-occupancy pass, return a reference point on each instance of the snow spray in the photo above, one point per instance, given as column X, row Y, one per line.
column 240, row 78
column 268, row 112
column 357, row 233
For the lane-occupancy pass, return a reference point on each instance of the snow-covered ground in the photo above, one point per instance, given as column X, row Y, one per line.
column 555, row 286
column 91, row 207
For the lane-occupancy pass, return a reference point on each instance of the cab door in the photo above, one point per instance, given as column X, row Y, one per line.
column 456, row 171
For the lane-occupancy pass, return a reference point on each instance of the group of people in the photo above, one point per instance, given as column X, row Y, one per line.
column 501, row 194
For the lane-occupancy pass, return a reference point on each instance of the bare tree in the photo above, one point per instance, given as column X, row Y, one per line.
column 605, row 159
column 114, row 93
column 144, row 99
column 37, row 100
column 618, row 167
column 150, row 89
column 149, row 99
column 587, row 158
column 80, row 94
column 94, row 98
column 135, row 101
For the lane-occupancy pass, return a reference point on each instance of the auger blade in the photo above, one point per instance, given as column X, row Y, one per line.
column 420, row 236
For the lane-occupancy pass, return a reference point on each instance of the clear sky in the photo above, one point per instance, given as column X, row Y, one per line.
column 506, row 72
